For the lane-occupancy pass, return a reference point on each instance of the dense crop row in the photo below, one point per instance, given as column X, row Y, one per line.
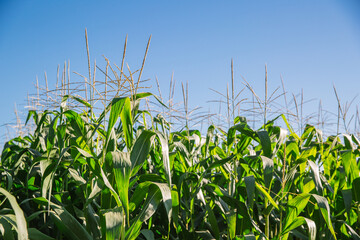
column 123, row 176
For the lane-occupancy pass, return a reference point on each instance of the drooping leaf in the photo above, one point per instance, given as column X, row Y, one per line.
column 301, row 221
column 265, row 142
column 316, row 176
column 268, row 167
column 166, row 197
column 244, row 129
column 77, row 99
column 325, row 211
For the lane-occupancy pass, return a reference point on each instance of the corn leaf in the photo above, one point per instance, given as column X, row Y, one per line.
column 316, row 176
column 35, row 234
column 298, row 222
column 265, row 142
column 325, row 211
column 113, row 224
column 122, row 170
column 140, row 150
column 21, row 224
column 149, row 208
column 165, row 155
column 266, row 194
column 268, row 167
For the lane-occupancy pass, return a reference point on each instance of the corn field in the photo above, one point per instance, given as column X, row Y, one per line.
column 107, row 167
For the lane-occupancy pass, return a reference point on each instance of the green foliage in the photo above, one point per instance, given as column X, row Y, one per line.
column 115, row 177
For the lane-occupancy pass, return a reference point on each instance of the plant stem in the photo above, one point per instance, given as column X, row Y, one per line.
column 267, row 220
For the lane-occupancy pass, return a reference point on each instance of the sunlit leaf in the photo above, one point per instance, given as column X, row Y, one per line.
column 19, row 214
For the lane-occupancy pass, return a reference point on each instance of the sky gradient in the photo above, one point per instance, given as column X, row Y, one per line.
column 312, row 44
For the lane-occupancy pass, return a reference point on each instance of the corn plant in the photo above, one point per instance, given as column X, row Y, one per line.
column 75, row 178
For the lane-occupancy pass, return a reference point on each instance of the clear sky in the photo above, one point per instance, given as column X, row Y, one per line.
column 312, row 44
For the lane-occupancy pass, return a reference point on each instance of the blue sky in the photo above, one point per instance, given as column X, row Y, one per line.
column 312, row 44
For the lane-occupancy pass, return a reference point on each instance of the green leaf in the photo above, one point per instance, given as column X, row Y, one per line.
column 6, row 229
column 19, row 214
column 79, row 100
column 349, row 162
column 140, row 150
column 175, row 206
column 268, row 167
column 148, row 234
column 156, row 192
column 50, row 139
column 231, row 223
column 262, row 190
column 353, row 234
column 127, row 124
column 209, row 136
column 84, row 153
column 356, row 189
column 165, row 155
column 316, row 176
column 117, row 106
column 244, row 129
column 48, row 176
column 166, row 197
column 290, row 128
column 325, row 211
column 213, row 221
column 265, row 142
column 97, row 187
column 35, row 234
column 349, row 144
column 108, row 184
column 295, row 207
column 92, row 221
column 76, row 176
column 68, row 224
column 113, row 224
column 347, row 196
column 76, row 122
column 148, row 94
column 122, row 170
column 149, row 208
column 250, row 189
column 300, row 221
